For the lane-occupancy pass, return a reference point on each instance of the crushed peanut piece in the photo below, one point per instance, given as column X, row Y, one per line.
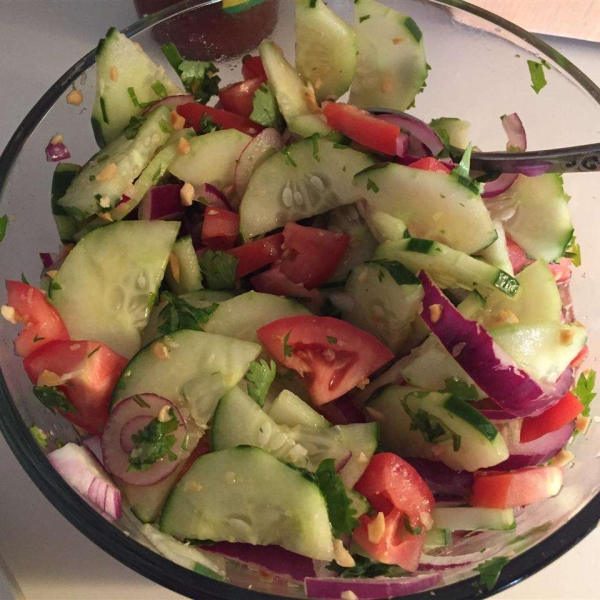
column 105, row 215
column 74, row 97
column 163, row 414
column 435, row 312
column 376, row 528
column 183, row 146
column 397, row 41
column 114, row 73
column 129, row 190
column 426, row 520
column 49, row 379
column 562, row 459
column 387, row 86
column 348, row 595
column 311, row 100
column 186, row 194
column 361, row 385
column 174, row 264
column 177, row 121
column 57, row 139
column 363, row 458
column 160, row 351
column 566, row 336
column 194, row 486
column 107, row 173
column 505, row 317
column 582, row 423
column 138, row 46
column 9, row 313
column 52, row 273
column 341, row 555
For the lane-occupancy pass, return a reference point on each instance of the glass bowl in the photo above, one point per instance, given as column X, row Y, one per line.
column 479, row 72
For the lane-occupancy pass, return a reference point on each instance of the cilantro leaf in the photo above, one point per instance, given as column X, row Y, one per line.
column 462, row 172
column 24, row 279
column 573, row 252
column 412, row 530
column 153, row 442
column 331, row 339
column 490, row 571
column 132, row 128
column 219, row 269
column 538, row 77
column 207, row 125
column 371, row 185
column 53, row 398
column 260, row 376
column 40, row 437
column 584, row 390
column 198, row 77
column 461, row 389
column 179, row 314
column 265, row 109
column 366, row 568
column 287, row 349
column 159, row 89
column 423, row 422
column 3, row 226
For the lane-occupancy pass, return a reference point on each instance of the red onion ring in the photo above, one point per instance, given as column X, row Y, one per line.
column 533, row 170
column 57, row 152
column 416, row 128
column 213, row 196
column 498, row 186
column 162, row 202
column 442, row 480
column 515, row 132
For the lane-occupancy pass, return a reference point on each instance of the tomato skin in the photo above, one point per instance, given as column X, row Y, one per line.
column 220, row 228
column 553, row 419
column 516, row 488
column 561, row 270
column 96, row 369
column 518, row 257
column 362, row 127
column 237, row 97
column 430, row 164
column 331, row 355
column 311, row 255
column 42, row 321
column 255, row 255
column 581, row 357
column 394, row 487
column 193, row 113
column 252, row 67
column 274, row 281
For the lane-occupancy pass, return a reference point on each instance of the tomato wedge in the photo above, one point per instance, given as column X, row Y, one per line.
column 237, row 97
column 257, row 254
column 561, row 270
column 395, row 489
column 42, row 322
column 220, row 228
column 311, row 255
column 362, row 127
column 517, row 488
column 274, row 281
column 91, row 369
column 252, row 67
column 331, row 355
column 553, row 419
column 430, row 164
column 518, row 257
column 193, row 113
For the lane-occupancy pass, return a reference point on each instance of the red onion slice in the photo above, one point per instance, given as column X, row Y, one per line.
column 342, row 411
column 442, row 479
column 47, row 259
column 369, row 589
column 57, row 152
column 498, row 186
column 534, row 170
column 515, row 132
column 213, row 196
column 484, row 361
column 171, row 102
column 416, row 128
column 162, row 202
column 401, row 144
column 94, row 445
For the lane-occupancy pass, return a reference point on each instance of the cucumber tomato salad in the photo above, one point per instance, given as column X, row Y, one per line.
column 299, row 334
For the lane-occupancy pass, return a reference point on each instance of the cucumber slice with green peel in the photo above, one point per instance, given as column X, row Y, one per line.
column 439, row 427
column 325, row 49
column 391, row 67
column 200, row 368
column 496, row 254
column 183, row 273
column 447, row 267
column 386, row 300
column 126, row 79
column 101, row 183
column 310, row 177
column 199, row 299
column 211, row 159
column 308, row 125
column 452, row 131
column 290, row 410
column 62, row 178
column 246, row 495
column 543, row 350
column 243, row 315
column 438, row 538
column 105, row 288
column 185, row 555
column 541, row 200
column 434, row 206
column 459, row 518
column 383, row 226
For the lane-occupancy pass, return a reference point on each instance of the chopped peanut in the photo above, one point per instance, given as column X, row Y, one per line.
column 186, row 194
column 52, row 273
column 505, row 317
column 9, row 313
column 387, row 86
column 341, row 555
column 163, row 414
column 376, row 528
column 114, row 73
column 183, row 146
column 566, row 336
column 105, row 215
column 49, row 379
column 177, row 121
column 562, row 459
column 160, row 351
column 435, row 312
column 174, row 264
column 582, row 423
column 74, row 97
column 348, row 595
column 426, row 520
column 57, row 139
column 107, row 173
column 397, row 41
column 361, row 385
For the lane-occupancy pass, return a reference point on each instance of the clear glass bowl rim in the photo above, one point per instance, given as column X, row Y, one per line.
column 143, row 560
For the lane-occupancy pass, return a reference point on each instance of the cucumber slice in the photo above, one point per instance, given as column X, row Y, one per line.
column 201, row 367
column 449, row 268
column 91, row 192
column 452, row 130
column 104, row 289
column 386, row 300
column 62, row 178
column 391, row 67
column 459, row 518
column 199, row 299
column 438, row 538
column 211, row 159
column 325, row 49
column 496, row 254
column 239, row 420
column 245, row 495
column 308, row 125
column 541, row 201
column 449, row 429
column 384, row 227
column 432, row 205
column 290, row 410
column 121, row 65
column 183, row 273
column 243, row 315
column 309, row 178
column 185, row 555
column 543, row 350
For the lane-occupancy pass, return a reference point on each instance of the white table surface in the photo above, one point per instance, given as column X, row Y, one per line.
column 45, row 556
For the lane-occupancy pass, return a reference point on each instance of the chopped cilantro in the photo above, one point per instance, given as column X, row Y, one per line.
column 58, row 442
column 3, row 226
column 371, row 185
column 584, row 390
column 219, row 269
column 157, row 174
column 462, row 172
column 207, row 125
column 574, row 252
column 288, row 159
column 53, row 398
column 460, row 388
column 312, row 3
column 37, row 338
column 40, row 437
column 179, row 314
column 265, row 109
column 152, row 299
column 332, row 340
column 490, row 571
column 410, row 24
column 412, row 530
column 164, row 126
column 159, row 89
column 364, row 18
column 140, row 401
column 135, row 101
column 132, row 128
column 315, row 147
column 24, row 279
column 103, row 109
column 456, row 441
column 422, row 421
column 260, row 376
column 400, row 274
column 287, row 349
column 93, row 352
column 366, row 568
column 538, row 77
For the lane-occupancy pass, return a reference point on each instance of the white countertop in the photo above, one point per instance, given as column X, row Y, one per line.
column 47, row 558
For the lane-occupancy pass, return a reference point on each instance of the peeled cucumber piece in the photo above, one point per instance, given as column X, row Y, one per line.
column 311, row 177
column 289, row 409
column 103, row 181
column 541, row 224
column 383, row 226
column 183, row 273
column 454, row 131
column 496, row 254
column 325, row 49
column 199, row 369
column 105, row 288
column 123, row 67
column 391, row 67
column 434, row 206
column 463, row 518
column 212, row 158
column 245, row 495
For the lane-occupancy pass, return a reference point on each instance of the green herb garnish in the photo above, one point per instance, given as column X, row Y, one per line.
column 422, row 421
column 332, row 340
column 265, row 109
column 584, row 390
column 366, row 568
column 287, row 349
column 3, row 226
column 179, row 314
column 53, row 398
column 207, row 125
column 132, row 128
column 461, row 389
column 219, row 269
column 462, row 172
column 538, row 77
column 490, row 571
column 40, row 437
column 371, row 185
column 159, row 89
column 260, row 376
column 412, row 530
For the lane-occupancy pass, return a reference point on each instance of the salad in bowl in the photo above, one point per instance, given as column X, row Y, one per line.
column 294, row 329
